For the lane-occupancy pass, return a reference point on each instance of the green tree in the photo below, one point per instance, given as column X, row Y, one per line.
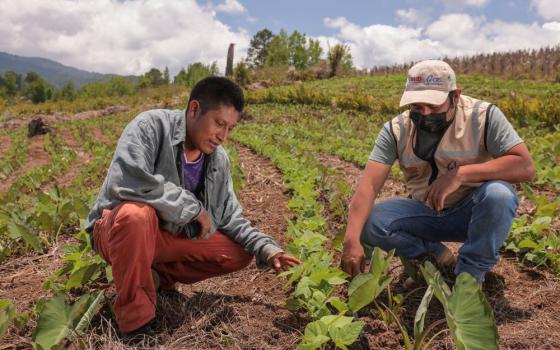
column 31, row 77
column 277, row 51
column 195, row 72
column 93, row 89
column 39, row 91
column 11, row 85
column 180, row 78
column 256, row 54
column 314, row 52
column 155, row 77
column 297, row 45
column 120, row 86
column 166, row 76
column 68, row 91
column 242, row 74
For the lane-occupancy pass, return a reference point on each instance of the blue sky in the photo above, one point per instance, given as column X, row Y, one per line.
column 307, row 16
column 132, row 36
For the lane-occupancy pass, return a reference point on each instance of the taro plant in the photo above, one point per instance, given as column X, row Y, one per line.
column 82, row 267
column 61, row 322
column 367, row 286
column 341, row 330
column 468, row 314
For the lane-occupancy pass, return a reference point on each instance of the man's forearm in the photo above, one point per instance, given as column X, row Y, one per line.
column 510, row 168
column 360, row 207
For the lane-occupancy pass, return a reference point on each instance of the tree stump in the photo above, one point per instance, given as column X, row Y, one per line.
column 37, row 127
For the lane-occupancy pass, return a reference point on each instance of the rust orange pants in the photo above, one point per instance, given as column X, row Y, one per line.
column 129, row 238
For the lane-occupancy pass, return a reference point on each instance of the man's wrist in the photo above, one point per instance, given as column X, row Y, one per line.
column 460, row 174
column 351, row 241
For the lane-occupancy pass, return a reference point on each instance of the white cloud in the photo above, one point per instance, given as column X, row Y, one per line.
column 547, row 9
column 382, row 44
column 450, row 35
column 414, row 16
column 125, row 37
column 552, row 26
column 230, row 6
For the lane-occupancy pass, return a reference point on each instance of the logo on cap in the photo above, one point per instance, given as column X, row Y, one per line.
column 415, row 80
column 433, row 80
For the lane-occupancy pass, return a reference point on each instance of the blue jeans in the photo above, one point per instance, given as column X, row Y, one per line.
column 481, row 220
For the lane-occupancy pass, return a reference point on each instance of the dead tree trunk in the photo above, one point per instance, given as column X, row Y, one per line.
column 229, row 64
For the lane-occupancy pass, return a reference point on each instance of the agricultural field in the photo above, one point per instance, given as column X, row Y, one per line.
column 296, row 157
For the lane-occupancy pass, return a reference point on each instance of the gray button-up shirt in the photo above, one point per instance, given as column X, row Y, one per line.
column 146, row 167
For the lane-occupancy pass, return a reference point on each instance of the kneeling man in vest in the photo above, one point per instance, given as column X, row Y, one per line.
column 459, row 156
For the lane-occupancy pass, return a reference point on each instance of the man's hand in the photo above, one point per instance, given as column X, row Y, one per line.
column 353, row 259
column 282, row 262
column 204, row 221
column 441, row 188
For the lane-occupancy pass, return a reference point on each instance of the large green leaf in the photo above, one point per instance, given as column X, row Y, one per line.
column 58, row 320
column 421, row 312
column 315, row 335
column 365, row 287
column 470, row 314
column 19, row 230
column 90, row 312
column 379, row 264
column 346, row 334
column 361, row 291
column 83, row 275
column 433, row 278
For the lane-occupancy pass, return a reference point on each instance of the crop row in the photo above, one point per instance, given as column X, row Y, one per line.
column 317, row 282
column 534, row 106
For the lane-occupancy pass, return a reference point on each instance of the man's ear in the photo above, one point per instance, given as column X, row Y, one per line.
column 457, row 95
column 194, row 109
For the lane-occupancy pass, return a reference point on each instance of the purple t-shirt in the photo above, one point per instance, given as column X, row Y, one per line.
column 193, row 174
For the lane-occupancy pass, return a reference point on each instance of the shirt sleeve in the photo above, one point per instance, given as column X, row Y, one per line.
column 500, row 134
column 239, row 229
column 385, row 148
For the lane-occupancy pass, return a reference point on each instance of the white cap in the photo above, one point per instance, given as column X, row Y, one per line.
column 429, row 82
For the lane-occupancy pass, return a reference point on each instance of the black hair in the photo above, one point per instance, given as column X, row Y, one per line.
column 213, row 92
column 451, row 97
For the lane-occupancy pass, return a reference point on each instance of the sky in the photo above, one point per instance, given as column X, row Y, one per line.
column 132, row 36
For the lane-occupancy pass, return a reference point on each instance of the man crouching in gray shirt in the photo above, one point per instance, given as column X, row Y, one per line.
column 167, row 205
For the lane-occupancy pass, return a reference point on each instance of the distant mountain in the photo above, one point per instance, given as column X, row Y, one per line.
column 55, row 73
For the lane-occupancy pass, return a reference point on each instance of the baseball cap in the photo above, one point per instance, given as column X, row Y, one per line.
column 429, row 82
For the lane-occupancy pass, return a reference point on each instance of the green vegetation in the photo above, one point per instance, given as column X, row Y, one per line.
column 291, row 126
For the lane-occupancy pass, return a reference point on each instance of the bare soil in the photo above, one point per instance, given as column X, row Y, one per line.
column 37, row 157
column 21, row 280
column 101, row 137
column 51, row 119
column 526, row 301
column 246, row 309
column 82, row 158
column 5, row 143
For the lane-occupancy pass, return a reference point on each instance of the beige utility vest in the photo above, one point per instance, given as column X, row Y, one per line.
column 463, row 143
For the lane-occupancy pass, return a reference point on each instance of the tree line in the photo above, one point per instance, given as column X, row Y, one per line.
column 536, row 64
column 290, row 56
column 30, row 86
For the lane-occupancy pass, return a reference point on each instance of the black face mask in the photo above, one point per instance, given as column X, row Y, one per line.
column 435, row 123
